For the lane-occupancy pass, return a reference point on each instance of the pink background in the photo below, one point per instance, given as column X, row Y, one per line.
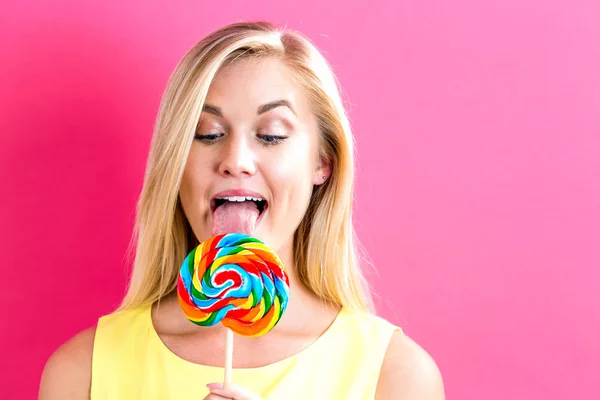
column 478, row 190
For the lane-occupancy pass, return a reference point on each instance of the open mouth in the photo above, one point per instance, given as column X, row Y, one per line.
column 261, row 204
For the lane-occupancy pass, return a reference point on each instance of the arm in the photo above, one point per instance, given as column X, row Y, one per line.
column 408, row 372
column 68, row 372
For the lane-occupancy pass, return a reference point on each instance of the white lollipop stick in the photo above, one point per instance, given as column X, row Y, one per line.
column 228, row 357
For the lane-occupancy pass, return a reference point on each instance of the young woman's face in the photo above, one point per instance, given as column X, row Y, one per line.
column 257, row 134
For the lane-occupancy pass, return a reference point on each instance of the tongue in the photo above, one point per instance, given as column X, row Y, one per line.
column 235, row 217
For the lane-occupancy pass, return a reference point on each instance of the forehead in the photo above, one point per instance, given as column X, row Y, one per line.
column 247, row 84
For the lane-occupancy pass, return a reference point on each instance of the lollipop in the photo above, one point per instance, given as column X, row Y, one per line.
column 234, row 279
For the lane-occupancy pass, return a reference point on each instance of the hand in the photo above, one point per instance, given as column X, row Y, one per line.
column 231, row 392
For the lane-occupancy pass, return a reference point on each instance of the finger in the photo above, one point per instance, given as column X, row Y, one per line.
column 233, row 391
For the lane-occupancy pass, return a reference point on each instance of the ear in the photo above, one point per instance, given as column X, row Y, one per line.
column 323, row 171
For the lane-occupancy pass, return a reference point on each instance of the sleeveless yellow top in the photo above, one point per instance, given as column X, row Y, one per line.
column 131, row 362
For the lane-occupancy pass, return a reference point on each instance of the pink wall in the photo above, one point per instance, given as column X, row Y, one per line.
column 478, row 127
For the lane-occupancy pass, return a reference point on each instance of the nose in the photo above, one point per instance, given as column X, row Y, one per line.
column 237, row 158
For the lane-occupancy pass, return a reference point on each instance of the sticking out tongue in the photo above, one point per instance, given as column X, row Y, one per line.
column 235, row 217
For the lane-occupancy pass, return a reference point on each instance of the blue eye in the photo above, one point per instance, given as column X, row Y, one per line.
column 210, row 138
column 270, row 140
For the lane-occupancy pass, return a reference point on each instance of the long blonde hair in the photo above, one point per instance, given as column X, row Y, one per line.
column 325, row 244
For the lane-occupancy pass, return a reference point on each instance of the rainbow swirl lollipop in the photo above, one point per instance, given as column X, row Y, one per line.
column 234, row 279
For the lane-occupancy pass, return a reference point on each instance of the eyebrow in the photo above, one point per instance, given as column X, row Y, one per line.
column 274, row 104
column 208, row 108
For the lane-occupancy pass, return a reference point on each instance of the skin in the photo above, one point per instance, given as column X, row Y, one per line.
column 239, row 149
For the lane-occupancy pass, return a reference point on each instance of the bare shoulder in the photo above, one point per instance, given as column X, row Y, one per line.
column 408, row 372
column 68, row 372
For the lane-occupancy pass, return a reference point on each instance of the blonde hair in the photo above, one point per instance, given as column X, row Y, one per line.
column 325, row 243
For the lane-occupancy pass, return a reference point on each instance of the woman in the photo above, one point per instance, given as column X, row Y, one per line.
column 251, row 113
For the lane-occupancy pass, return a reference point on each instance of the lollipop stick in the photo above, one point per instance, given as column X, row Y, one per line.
column 228, row 357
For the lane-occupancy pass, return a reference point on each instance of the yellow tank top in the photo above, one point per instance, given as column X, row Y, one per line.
column 131, row 362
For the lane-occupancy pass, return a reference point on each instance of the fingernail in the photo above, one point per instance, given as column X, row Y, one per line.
column 213, row 386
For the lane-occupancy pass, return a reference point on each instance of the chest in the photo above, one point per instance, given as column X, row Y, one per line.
column 209, row 349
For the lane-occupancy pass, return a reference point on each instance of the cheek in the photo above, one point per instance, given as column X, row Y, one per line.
column 294, row 166
column 291, row 177
column 192, row 187
column 186, row 189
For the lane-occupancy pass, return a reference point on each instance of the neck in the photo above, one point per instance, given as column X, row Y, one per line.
column 302, row 301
